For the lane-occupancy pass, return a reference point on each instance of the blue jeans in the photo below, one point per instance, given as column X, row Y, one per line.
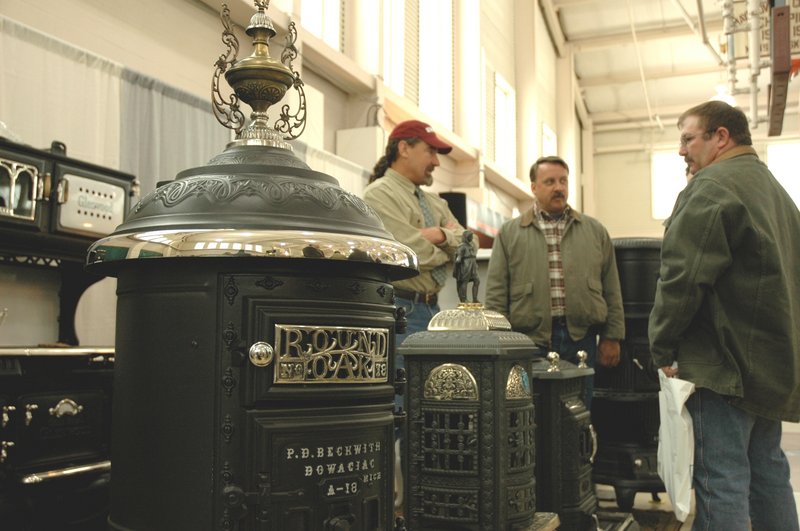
column 740, row 472
column 568, row 349
column 418, row 315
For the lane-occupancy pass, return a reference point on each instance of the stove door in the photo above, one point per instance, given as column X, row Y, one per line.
column 330, row 469
column 88, row 202
column 58, row 429
column 22, row 190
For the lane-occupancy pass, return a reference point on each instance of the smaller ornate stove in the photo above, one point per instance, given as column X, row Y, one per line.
column 565, row 442
column 470, row 429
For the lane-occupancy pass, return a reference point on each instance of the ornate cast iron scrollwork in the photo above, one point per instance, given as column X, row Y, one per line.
column 299, row 118
column 450, row 381
column 226, row 113
column 518, row 384
column 259, row 81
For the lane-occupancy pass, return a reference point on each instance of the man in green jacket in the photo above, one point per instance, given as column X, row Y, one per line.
column 727, row 318
column 553, row 274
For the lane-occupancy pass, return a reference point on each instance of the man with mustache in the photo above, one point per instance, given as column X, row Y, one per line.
column 726, row 317
column 412, row 153
column 553, row 274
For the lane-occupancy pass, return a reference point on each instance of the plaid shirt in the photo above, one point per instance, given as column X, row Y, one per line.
column 553, row 229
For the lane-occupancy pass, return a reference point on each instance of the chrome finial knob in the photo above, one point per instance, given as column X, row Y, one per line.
column 582, row 357
column 553, row 358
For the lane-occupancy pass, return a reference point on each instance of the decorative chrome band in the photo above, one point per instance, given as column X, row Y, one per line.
column 64, row 472
column 331, row 355
column 257, row 243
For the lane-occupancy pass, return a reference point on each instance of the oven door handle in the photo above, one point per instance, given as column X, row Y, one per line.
column 62, row 191
column 39, row 477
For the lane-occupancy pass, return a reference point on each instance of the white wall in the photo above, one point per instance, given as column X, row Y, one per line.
column 622, row 173
column 144, row 35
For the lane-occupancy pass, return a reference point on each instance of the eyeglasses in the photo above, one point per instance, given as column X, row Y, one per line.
column 687, row 139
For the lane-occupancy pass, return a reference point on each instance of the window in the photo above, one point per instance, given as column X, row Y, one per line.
column 436, row 60
column 782, row 161
column 418, row 54
column 505, row 126
column 498, row 100
column 667, row 179
column 394, row 44
column 323, row 18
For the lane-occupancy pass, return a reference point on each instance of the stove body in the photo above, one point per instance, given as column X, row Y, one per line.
column 260, row 398
column 470, row 431
column 55, row 434
column 566, row 444
column 625, row 404
column 55, row 396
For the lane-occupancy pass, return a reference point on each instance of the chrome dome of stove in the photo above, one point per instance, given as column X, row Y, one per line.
column 255, row 199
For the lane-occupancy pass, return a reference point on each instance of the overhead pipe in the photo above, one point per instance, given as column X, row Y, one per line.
column 754, row 40
column 728, row 31
column 653, row 119
column 754, row 53
column 701, row 31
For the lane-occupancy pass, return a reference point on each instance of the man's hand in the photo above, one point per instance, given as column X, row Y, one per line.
column 433, row 235
column 670, row 371
column 608, row 352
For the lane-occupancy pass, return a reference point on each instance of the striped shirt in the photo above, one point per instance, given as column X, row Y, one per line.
column 553, row 229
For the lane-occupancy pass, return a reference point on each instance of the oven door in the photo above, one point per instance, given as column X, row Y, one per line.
column 22, row 189
column 88, row 202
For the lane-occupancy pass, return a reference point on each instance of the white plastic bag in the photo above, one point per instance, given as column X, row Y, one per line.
column 676, row 443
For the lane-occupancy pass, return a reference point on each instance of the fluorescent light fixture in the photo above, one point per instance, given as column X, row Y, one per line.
column 723, row 95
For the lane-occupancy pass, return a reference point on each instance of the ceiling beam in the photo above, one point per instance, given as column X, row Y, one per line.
column 651, row 74
column 638, row 118
column 616, row 39
column 554, row 26
column 569, row 3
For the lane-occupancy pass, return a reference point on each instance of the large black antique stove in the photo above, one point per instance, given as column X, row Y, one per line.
column 254, row 385
column 625, row 404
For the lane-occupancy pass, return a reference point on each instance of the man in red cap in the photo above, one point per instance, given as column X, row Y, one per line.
column 422, row 221
column 419, row 219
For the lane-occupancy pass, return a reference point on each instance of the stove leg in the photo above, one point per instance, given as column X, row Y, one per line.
column 624, row 498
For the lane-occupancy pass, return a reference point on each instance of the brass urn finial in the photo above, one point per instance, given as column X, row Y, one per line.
column 259, row 81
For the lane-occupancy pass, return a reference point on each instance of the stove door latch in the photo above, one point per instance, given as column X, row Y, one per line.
column 66, row 406
column 237, row 501
column 261, row 354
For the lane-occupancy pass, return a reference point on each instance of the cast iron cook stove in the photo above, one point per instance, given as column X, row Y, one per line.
column 55, row 395
column 254, row 386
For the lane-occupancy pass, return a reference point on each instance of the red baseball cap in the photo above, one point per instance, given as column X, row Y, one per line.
column 421, row 130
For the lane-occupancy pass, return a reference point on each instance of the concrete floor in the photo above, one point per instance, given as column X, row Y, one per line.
column 790, row 445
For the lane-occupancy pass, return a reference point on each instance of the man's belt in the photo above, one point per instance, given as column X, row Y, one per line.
column 428, row 298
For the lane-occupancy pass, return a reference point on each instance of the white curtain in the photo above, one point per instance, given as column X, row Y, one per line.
column 51, row 90
column 107, row 115
column 165, row 130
